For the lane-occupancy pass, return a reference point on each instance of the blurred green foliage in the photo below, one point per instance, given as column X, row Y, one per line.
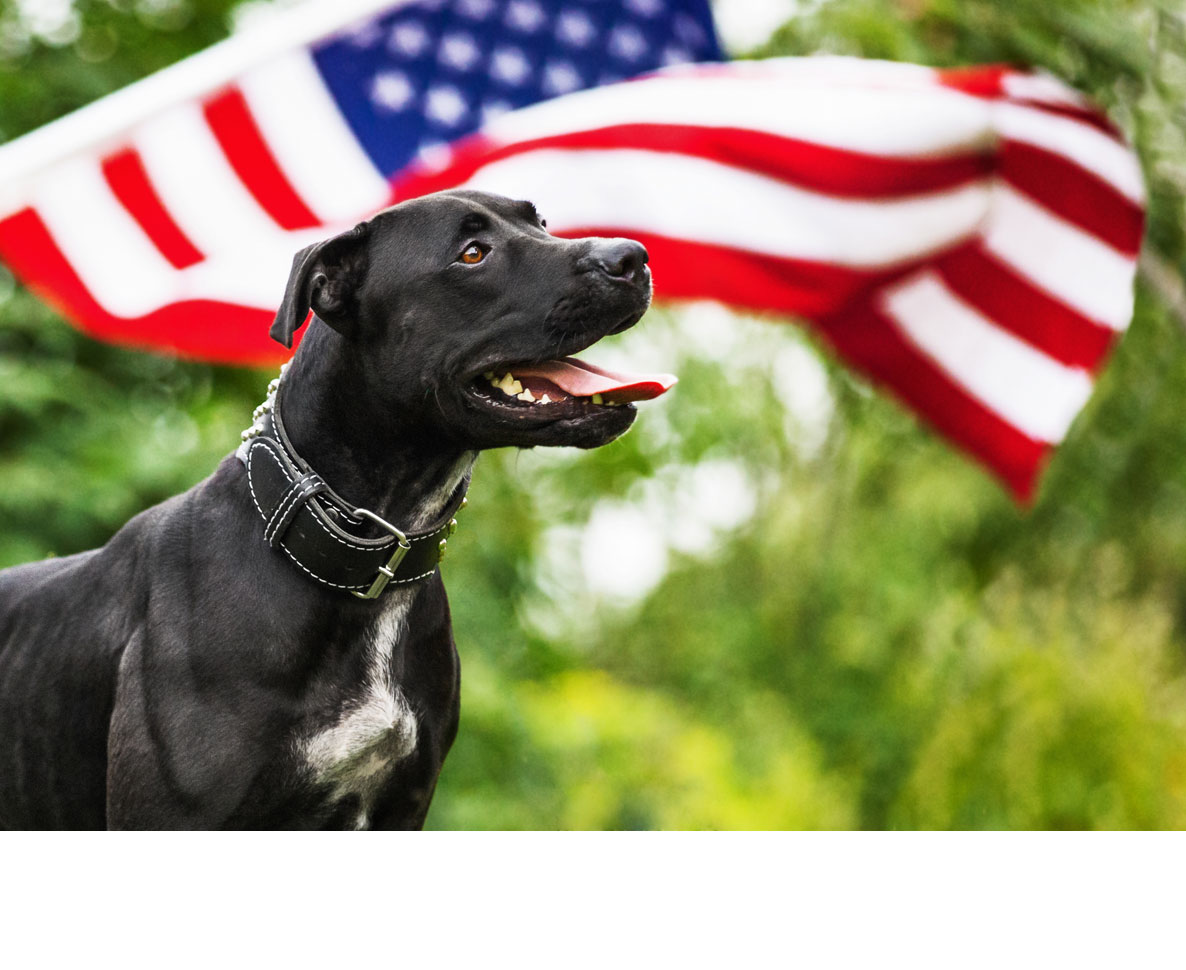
column 838, row 622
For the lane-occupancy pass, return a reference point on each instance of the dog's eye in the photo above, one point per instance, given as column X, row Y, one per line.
column 474, row 253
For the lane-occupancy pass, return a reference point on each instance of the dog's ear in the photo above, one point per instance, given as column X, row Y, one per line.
column 325, row 278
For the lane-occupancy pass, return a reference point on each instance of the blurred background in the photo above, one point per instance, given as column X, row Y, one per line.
column 779, row 601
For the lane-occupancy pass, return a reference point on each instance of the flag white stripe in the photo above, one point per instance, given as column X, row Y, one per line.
column 196, row 183
column 1045, row 88
column 222, row 277
column 832, row 68
column 1068, row 263
column 104, row 245
column 1087, row 147
column 889, row 121
column 311, row 141
column 1034, row 393
column 692, row 198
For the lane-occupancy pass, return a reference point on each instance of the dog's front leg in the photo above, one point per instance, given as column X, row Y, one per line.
column 176, row 760
column 141, row 794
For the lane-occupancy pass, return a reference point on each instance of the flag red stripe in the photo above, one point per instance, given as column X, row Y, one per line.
column 988, row 83
column 1083, row 115
column 1074, row 194
column 201, row 329
column 868, row 340
column 818, row 168
column 687, row 270
column 1016, row 305
column 243, row 144
column 983, row 81
column 124, row 172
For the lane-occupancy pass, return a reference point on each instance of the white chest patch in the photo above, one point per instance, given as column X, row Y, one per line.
column 357, row 754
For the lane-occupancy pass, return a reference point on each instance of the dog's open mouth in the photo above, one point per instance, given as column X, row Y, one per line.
column 568, row 386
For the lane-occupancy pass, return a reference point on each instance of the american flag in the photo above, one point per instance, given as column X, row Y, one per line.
column 967, row 239
column 166, row 215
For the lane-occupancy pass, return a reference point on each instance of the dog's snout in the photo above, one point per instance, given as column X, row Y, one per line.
column 621, row 258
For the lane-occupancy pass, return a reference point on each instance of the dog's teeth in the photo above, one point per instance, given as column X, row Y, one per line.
column 489, row 375
column 526, row 396
column 515, row 389
column 597, row 399
column 545, row 400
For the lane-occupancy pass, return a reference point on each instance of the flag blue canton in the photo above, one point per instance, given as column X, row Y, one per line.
column 432, row 71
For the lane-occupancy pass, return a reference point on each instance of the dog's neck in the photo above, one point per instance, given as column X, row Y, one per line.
column 371, row 458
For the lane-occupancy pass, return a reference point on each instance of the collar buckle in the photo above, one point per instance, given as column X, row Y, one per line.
column 387, row 572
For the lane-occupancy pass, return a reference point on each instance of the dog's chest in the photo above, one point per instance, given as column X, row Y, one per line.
column 355, row 756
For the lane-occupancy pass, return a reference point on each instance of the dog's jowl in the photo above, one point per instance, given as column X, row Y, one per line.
column 273, row 647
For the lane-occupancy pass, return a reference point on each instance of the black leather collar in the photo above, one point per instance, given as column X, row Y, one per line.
column 314, row 526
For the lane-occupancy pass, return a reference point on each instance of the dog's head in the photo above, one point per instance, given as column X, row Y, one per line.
column 459, row 311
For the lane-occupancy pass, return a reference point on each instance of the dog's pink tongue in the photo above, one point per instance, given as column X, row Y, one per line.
column 579, row 379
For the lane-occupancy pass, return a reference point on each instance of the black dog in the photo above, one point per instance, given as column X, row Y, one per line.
column 259, row 651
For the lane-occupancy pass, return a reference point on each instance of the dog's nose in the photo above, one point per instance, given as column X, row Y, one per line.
column 621, row 258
